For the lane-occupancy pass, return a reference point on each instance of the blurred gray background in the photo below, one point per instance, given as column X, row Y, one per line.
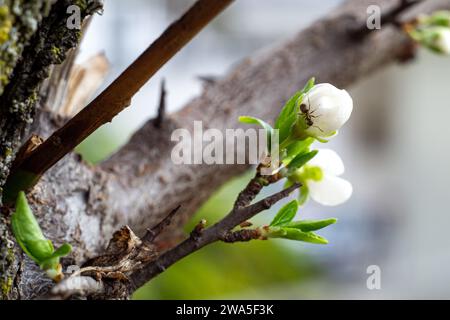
column 396, row 148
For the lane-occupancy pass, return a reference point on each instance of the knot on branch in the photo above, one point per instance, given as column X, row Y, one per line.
column 242, row 236
column 198, row 230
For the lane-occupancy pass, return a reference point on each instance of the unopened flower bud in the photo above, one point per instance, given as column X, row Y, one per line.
column 323, row 111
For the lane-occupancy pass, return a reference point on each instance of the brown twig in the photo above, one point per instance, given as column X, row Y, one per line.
column 242, row 236
column 198, row 230
column 253, row 188
column 221, row 231
column 118, row 95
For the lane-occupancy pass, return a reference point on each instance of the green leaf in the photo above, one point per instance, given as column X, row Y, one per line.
column 301, row 159
column 309, row 85
column 265, row 125
column 288, row 116
column 289, row 113
column 40, row 249
column 303, row 194
column 296, row 234
column 286, row 214
column 28, row 233
column 296, row 148
column 62, row 251
column 311, row 225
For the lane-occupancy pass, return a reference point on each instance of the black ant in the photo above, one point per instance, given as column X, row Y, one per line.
column 308, row 114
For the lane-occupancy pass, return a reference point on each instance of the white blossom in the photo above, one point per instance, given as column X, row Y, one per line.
column 325, row 186
column 442, row 41
column 327, row 109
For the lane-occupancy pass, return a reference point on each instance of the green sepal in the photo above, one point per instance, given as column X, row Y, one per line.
column 301, row 159
column 303, row 195
column 286, row 214
column 296, row 148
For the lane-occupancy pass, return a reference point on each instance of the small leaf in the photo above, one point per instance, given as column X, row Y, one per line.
column 296, row 234
column 288, row 116
column 311, row 225
column 40, row 249
column 265, row 125
column 62, row 251
column 286, row 214
column 287, row 110
column 301, row 159
column 296, row 148
column 289, row 113
column 28, row 233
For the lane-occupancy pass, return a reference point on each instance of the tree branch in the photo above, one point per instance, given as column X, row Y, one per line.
column 118, row 95
column 140, row 184
column 156, row 230
column 258, row 86
column 199, row 238
column 29, row 59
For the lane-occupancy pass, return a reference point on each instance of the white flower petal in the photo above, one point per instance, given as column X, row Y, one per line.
column 329, row 107
column 330, row 191
column 329, row 161
column 443, row 40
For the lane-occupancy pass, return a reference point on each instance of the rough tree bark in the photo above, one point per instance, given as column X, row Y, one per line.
column 83, row 205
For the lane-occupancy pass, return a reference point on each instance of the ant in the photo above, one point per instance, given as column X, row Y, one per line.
column 308, row 114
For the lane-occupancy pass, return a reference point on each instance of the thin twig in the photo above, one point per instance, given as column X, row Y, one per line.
column 219, row 231
column 156, row 230
column 118, row 95
column 208, row 80
column 253, row 188
column 162, row 105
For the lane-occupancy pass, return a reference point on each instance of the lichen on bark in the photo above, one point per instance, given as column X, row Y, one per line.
column 37, row 39
column 19, row 20
column 9, row 264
